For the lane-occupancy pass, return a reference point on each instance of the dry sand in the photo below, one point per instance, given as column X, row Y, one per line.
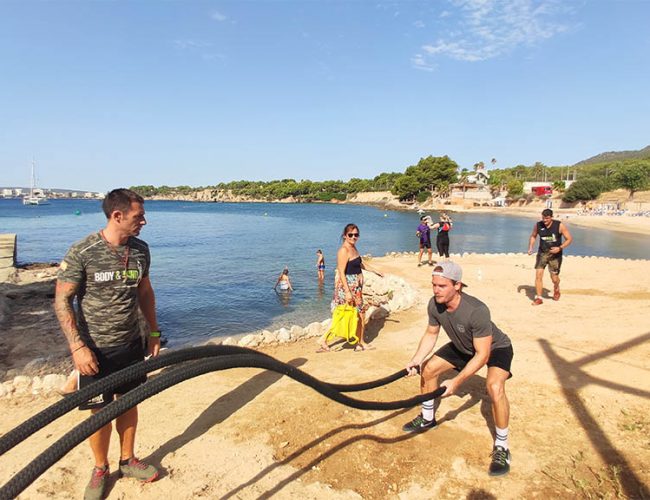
column 579, row 400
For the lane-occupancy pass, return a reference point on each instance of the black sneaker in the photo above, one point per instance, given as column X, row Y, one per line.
column 419, row 424
column 500, row 461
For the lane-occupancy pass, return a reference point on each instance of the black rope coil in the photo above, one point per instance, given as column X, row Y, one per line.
column 219, row 358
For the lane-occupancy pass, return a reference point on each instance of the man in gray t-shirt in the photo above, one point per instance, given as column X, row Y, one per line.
column 475, row 342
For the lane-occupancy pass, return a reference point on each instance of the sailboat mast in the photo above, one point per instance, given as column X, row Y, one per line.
column 33, row 182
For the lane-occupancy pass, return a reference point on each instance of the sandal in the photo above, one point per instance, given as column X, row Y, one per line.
column 363, row 347
column 556, row 294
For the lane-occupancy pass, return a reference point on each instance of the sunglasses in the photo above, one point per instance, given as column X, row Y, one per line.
column 353, row 235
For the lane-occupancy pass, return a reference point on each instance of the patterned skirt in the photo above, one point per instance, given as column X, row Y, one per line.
column 355, row 283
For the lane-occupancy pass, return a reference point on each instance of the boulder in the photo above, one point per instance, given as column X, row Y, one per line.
column 269, row 337
column 284, row 336
column 297, row 332
column 249, row 340
column 22, row 383
column 52, row 382
column 313, row 329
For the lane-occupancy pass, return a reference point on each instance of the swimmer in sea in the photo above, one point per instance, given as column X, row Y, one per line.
column 283, row 281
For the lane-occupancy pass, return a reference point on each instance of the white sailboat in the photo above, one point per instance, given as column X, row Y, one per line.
column 36, row 196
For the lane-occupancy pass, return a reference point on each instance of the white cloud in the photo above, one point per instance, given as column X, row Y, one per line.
column 218, row 16
column 485, row 29
column 419, row 24
column 189, row 44
column 420, row 62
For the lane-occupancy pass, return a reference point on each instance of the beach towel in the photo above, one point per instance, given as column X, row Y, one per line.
column 344, row 324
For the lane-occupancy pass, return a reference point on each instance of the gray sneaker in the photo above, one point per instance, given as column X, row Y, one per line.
column 139, row 470
column 97, row 484
column 419, row 424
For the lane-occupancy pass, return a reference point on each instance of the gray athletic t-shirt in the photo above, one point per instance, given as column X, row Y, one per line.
column 107, row 298
column 470, row 320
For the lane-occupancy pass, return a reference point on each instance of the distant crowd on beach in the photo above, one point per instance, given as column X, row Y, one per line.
column 611, row 209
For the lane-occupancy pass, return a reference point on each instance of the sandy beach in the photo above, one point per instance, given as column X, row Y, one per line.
column 579, row 424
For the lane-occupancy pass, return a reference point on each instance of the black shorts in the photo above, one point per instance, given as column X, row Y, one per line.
column 425, row 244
column 111, row 360
column 501, row 358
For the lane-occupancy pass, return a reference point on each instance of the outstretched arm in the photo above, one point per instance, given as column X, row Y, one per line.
column 371, row 269
column 83, row 358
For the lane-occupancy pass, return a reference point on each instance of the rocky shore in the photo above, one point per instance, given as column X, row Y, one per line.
column 34, row 359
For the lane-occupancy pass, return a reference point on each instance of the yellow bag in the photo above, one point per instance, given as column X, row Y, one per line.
column 344, row 324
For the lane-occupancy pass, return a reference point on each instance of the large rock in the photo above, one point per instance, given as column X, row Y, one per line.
column 53, row 382
column 249, row 340
column 284, row 336
column 313, row 329
column 269, row 337
column 297, row 332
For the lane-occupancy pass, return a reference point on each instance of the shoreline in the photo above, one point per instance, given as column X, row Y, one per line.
column 386, row 297
column 248, row 433
column 620, row 223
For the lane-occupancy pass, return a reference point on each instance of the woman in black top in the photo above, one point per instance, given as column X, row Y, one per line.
column 348, row 280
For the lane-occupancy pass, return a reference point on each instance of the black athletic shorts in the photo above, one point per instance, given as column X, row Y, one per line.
column 111, row 360
column 501, row 357
column 425, row 244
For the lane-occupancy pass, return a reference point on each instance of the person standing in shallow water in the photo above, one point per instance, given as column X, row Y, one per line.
column 549, row 253
column 320, row 264
column 108, row 273
column 348, row 280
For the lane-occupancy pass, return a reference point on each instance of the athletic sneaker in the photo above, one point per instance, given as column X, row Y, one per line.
column 97, row 484
column 556, row 294
column 419, row 424
column 138, row 470
column 537, row 302
column 500, row 461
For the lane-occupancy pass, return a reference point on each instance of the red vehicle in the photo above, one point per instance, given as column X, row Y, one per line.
column 542, row 190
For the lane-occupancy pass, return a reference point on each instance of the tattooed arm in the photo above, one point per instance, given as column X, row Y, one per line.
column 84, row 359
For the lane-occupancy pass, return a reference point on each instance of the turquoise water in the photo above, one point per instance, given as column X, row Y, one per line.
column 214, row 264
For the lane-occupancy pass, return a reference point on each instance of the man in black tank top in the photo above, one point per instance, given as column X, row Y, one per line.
column 550, row 232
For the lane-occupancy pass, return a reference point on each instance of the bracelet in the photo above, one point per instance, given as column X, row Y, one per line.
column 80, row 347
column 155, row 334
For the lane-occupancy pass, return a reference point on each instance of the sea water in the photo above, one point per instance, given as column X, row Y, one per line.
column 214, row 265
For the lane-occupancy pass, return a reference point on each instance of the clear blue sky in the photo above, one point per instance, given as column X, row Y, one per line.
column 108, row 94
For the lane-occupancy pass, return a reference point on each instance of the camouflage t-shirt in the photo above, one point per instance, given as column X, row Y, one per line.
column 107, row 298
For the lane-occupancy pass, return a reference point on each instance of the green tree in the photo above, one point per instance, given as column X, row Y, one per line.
column 406, row 188
column 633, row 176
column 515, row 187
column 583, row 190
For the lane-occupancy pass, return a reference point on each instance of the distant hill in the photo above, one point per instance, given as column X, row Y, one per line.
column 615, row 156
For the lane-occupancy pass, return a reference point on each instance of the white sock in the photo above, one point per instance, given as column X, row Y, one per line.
column 501, row 438
column 427, row 410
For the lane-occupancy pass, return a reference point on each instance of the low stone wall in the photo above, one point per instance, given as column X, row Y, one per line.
column 382, row 295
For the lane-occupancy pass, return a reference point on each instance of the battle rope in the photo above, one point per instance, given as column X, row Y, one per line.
column 70, row 402
column 60, row 448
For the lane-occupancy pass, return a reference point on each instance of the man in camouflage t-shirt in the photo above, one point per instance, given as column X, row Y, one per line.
column 108, row 273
